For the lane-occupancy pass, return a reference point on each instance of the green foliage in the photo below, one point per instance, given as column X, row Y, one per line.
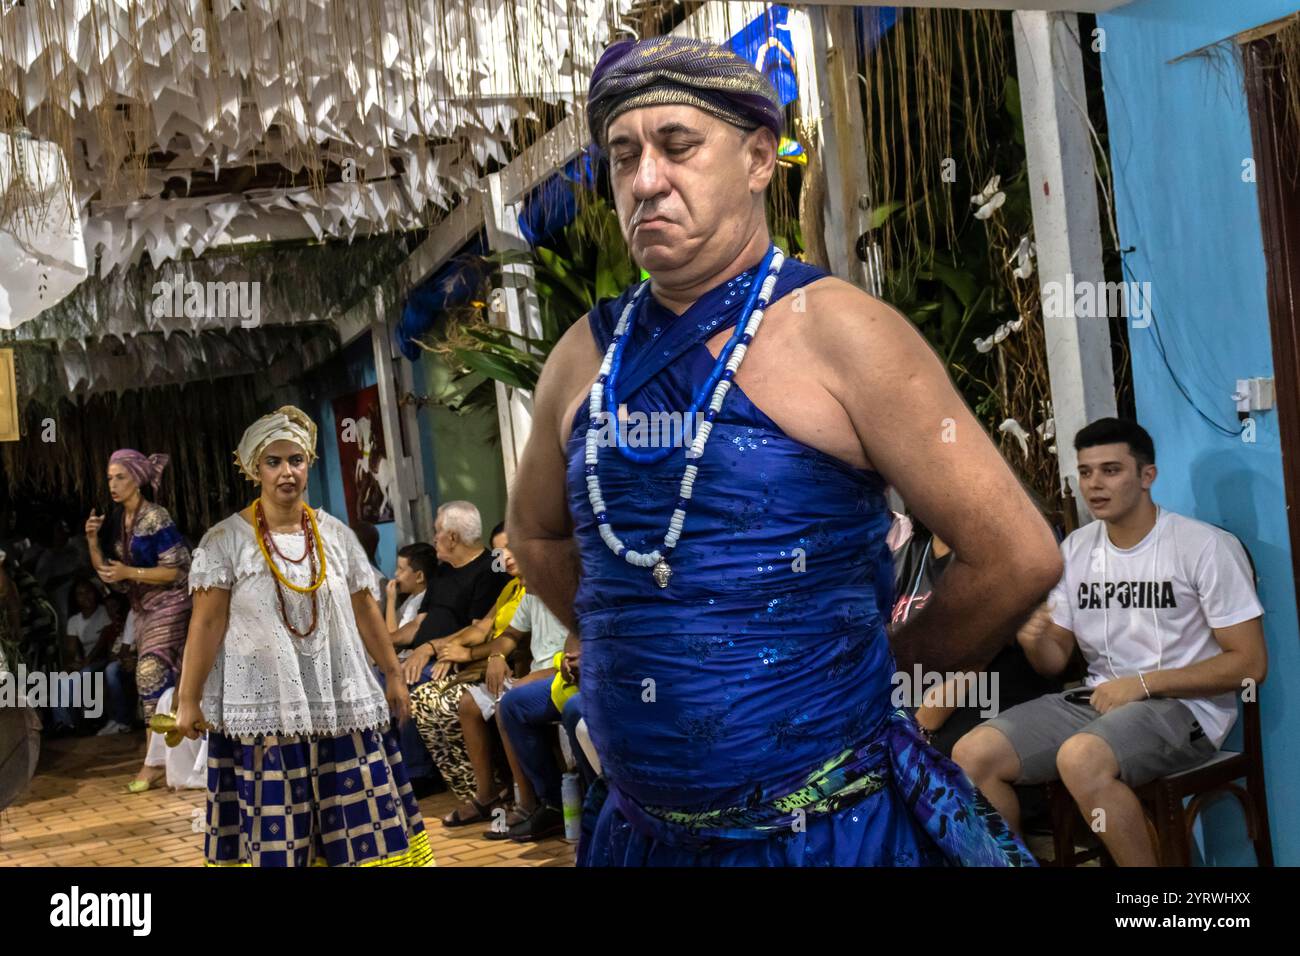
column 583, row 263
column 953, row 286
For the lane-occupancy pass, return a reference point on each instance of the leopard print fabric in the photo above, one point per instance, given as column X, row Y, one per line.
column 435, row 707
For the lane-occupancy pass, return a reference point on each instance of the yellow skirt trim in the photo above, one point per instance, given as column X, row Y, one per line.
column 418, row 853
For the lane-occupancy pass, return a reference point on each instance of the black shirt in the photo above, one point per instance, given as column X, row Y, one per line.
column 456, row 597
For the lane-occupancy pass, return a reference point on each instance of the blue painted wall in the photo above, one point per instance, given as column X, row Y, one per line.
column 350, row 370
column 1179, row 133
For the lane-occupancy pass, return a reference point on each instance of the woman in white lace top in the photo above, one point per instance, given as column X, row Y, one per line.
column 303, row 761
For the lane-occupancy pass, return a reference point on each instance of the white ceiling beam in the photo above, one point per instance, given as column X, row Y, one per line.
column 445, row 239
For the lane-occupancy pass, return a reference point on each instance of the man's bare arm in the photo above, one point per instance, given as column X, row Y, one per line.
column 538, row 522
column 919, row 434
column 1244, row 657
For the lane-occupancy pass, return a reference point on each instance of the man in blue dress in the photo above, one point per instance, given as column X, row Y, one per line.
column 731, row 593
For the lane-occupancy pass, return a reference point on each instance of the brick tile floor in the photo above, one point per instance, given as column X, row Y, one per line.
column 76, row 814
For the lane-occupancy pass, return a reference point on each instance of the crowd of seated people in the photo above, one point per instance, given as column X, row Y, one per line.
column 90, row 635
column 97, row 638
column 476, row 645
column 465, row 583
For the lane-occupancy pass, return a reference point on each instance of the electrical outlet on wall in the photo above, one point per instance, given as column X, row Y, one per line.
column 1253, row 395
column 1242, row 396
column 1261, row 394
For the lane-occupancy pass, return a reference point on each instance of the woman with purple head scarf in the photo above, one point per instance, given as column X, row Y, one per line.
column 138, row 550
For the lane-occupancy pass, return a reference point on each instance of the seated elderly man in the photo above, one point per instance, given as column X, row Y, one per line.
column 464, row 588
column 1164, row 609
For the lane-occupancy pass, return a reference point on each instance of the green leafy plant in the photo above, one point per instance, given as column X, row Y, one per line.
column 583, row 263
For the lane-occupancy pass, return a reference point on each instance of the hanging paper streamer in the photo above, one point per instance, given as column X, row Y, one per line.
column 42, row 251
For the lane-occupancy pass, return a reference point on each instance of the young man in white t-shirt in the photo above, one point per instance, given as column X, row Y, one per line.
column 1164, row 611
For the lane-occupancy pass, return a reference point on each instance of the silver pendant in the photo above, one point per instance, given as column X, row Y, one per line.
column 662, row 573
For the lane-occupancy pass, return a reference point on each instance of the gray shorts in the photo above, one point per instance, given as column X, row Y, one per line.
column 1150, row 738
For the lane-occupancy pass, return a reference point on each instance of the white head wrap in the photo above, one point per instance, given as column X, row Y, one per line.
column 286, row 423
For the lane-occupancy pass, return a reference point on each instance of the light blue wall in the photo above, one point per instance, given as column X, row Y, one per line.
column 347, row 372
column 1179, row 133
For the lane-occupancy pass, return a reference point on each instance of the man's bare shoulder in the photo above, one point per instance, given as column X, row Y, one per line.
column 577, row 346
column 840, row 306
column 572, row 358
column 569, row 371
column 842, row 324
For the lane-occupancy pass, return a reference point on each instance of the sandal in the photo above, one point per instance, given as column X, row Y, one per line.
column 482, row 813
column 516, row 818
column 156, row 780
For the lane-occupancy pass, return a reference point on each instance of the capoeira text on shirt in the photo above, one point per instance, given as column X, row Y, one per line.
column 1096, row 595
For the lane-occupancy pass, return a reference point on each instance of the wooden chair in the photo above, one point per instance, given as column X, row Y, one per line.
column 1169, row 821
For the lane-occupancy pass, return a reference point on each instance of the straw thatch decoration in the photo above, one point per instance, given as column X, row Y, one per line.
column 197, row 424
column 350, row 116
column 935, row 66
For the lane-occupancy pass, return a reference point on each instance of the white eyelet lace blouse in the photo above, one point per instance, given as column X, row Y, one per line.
column 264, row 679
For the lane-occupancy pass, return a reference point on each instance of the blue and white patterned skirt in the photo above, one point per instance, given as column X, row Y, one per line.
column 295, row 800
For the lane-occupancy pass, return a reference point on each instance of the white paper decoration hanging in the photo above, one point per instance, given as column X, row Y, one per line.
column 42, row 251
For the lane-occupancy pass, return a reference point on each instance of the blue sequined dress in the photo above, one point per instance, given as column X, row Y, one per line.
column 742, row 715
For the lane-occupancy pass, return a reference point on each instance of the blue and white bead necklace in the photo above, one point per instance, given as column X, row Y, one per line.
column 656, row 560
column 705, row 391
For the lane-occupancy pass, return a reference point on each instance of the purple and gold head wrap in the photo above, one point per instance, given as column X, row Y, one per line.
column 143, row 469
column 669, row 70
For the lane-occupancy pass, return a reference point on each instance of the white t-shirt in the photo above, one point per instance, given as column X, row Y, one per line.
column 546, row 633
column 1152, row 606
column 87, row 629
column 409, row 611
column 410, row 608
